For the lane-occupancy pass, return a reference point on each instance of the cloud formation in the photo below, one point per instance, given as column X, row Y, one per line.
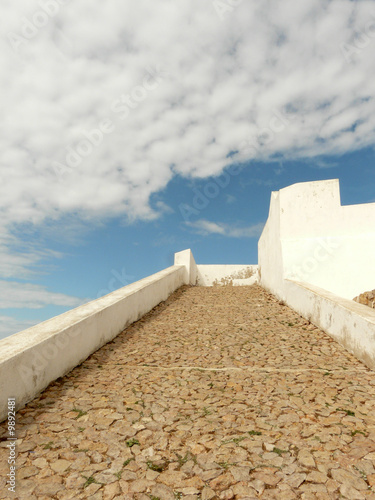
column 105, row 102
column 205, row 227
column 212, row 85
column 9, row 325
column 14, row 294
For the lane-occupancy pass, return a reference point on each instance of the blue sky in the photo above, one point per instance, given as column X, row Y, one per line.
column 124, row 126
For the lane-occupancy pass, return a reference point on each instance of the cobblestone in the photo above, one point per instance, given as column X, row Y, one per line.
column 218, row 393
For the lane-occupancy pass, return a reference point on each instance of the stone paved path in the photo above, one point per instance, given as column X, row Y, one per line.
column 218, row 393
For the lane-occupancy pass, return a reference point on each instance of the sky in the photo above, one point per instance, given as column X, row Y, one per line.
column 133, row 130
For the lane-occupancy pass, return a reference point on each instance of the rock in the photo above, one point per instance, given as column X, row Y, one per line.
column 140, row 485
column 207, row 493
column 347, row 491
column 172, row 478
column 92, row 489
column 96, row 457
column 151, row 475
column 210, row 474
column 111, row 490
column 197, row 449
column 162, row 491
column 313, row 488
column 258, row 485
column 26, row 472
column 226, row 495
column 60, row 466
column 25, row 446
column 287, row 419
column 188, row 467
column 128, row 475
column 40, row 462
column 75, row 481
column 242, row 490
column 268, row 446
column 49, row 487
column 285, row 494
column 366, row 298
column 97, row 496
column 24, row 489
column 317, row 477
column 332, row 485
column 189, row 491
column 222, row 482
column 206, row 462
column 193, row 482
column 240, row 473
column 268, row 479
column 347, row 478
column 296, row 479
column 144, row 436
column 105, row 478
column 124, row 485
column 270, row 456
column 306, row 459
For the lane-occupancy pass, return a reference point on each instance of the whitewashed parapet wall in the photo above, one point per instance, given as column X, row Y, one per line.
column 311, row 237
column 33, row 358
column 216, row 274
column 224, row 275
column 317, row 255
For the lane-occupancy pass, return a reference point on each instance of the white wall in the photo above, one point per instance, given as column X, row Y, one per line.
column 310, row 237
column 215, row 274
column 186, row 259
column 317, row 255
column 236, row 275
column 351, row 324
column 33, row 358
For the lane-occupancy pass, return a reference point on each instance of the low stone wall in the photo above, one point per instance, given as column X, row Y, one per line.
column 33, row 358
column 216, row 274
column 310, row 237
column 306, row 254
column 224, row 275
column 351, row 324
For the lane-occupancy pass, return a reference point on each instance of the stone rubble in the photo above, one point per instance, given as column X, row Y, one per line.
column 367, row 299
column 218, row 393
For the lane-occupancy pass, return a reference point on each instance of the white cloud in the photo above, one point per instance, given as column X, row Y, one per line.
column 271, row 77
column 206, row 227
column 9, row 325
column 28, row 295
column 323, row 164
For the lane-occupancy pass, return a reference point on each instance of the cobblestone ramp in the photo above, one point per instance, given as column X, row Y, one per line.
column 218, row 393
